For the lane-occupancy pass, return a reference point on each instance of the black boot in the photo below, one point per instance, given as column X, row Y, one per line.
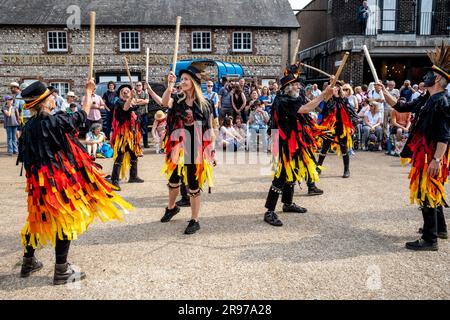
column 294, row 208
column 428, row 242
column 170, row 213
column 134, row 173
column 313, row 190
column 185, row 200
column 271, row 218
column 29, row 266
column 115, row 175
column 65, row 274
column 192, row 227
column 346, row 159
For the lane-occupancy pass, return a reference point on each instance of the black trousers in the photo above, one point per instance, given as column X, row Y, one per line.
column 118, row 164
column 433, row 223
column 61, row 250
column 327, row 144
column 144, row 128
column 280, row 186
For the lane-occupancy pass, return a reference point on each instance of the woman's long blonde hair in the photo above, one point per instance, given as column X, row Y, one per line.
column 198, row 95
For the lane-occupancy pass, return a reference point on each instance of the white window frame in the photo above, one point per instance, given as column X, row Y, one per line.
column 57, row 41
column 242, row 41
column 57, row 85
column 201, row 41
column 129, row 35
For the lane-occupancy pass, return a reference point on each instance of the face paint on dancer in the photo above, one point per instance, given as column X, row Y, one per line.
column 430, row 79
column 125, row 94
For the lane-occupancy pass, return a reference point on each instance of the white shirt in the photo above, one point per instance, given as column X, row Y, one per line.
column 373, row 119
column 448, row 90
column 316, row 93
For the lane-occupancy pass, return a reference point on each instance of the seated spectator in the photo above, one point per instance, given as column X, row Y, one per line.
column 308, row 92
column 94, row 140
column 372, row 124
column 316, row 92
column 401, row 122
column 159, row 130
column 73, row 108
column 240, row 127
column 258, row 123
column 229, row 137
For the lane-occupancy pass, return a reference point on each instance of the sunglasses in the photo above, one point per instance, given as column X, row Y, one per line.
column 209, row 86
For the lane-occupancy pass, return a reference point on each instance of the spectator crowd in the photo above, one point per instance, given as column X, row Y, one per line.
column 242, row 115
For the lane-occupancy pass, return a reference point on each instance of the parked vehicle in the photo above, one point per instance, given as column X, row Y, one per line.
column 232, row 71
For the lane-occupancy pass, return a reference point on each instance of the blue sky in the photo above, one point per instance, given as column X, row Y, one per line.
column 299, row 4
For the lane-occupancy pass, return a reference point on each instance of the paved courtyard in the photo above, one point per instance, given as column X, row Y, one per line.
column 350, row 244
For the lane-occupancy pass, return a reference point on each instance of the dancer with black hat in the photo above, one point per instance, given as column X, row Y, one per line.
column 294, row 148
column 338, row 117
column 66, row 189
column 427, row 149
column 189, row 143
column 126, row 137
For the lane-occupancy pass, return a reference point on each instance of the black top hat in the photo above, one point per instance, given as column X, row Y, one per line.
column 195, row 73
column 35, row 91
column 123, row 87
column 291, row 75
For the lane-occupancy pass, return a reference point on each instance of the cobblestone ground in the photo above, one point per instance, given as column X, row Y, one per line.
column 350, row 244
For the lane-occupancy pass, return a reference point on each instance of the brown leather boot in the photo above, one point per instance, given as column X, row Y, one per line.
column 65, row 274
column 29, row 266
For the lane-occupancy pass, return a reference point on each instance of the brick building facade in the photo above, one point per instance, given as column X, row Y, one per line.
column 51, row 52
column 398, row 34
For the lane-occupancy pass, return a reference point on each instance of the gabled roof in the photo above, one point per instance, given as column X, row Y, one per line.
column 214, row 13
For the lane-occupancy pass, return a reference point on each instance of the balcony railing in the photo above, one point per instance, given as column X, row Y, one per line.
column 399, row 22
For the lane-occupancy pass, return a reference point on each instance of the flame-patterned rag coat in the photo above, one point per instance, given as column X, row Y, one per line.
column 66, row 189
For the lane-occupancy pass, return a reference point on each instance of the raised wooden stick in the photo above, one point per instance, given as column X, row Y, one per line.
column 128, row 73
column 177, row 43
column 369, row 61
column 341, row 68
column 294, row 57
column 146, row 65
column 315, row 69
column 92, row 49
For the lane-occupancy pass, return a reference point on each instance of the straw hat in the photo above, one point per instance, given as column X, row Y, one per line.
column 160, row 115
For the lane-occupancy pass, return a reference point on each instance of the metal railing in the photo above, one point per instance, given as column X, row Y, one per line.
column 397, row 22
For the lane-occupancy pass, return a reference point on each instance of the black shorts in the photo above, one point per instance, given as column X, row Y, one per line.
column 190, row 170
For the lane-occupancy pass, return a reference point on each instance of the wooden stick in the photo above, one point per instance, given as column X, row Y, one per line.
column 294, row 57
column 315, row 69
column 341, row 68
column 128, row 73
column 146, row 65
column 92, row 49
column 177, row 43
column 372, row 67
